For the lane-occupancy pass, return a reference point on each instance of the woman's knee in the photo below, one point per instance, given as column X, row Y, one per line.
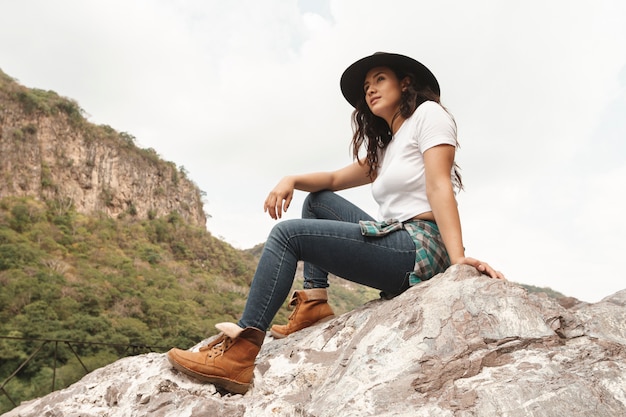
column 313, row 200
column 284, row 230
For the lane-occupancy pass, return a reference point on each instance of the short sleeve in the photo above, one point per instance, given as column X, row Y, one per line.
column 435, row 126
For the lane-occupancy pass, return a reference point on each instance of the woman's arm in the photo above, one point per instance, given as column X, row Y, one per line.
column 280, row 197
column 438, row 162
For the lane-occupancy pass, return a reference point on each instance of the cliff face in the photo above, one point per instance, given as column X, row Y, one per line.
column 458, row 345
column 49, row 151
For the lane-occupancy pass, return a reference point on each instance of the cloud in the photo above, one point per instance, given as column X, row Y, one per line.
column 242, row 93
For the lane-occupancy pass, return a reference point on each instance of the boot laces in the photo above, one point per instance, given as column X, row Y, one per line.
column 218, row 346
column 292, row 306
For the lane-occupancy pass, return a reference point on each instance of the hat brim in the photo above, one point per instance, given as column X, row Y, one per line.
column 353, row 77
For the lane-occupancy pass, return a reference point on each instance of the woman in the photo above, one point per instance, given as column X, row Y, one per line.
column 410, row 143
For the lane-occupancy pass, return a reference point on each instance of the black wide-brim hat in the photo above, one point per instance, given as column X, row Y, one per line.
column 353, row 77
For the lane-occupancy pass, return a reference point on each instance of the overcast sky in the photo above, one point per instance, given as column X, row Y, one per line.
column 241, row 93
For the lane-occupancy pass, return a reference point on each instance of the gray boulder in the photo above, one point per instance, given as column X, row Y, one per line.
column 458, row 345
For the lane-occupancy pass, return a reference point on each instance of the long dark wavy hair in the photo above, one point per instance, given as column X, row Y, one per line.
column 373, row 133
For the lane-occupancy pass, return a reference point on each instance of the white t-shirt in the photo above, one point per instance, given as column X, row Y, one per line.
column 400, row 186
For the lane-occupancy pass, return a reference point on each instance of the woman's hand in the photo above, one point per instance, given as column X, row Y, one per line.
column 279, row 198
column 482, row 267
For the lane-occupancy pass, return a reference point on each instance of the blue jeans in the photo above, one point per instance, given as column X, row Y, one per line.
column 328, row 239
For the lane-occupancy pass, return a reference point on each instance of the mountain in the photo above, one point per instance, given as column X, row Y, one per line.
column 461, row 344
column 51, row 152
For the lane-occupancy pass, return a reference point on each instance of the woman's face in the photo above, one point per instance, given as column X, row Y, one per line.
column 383, row 91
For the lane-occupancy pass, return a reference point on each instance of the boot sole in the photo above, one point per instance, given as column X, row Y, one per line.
column 277, row 335
column 225, row 383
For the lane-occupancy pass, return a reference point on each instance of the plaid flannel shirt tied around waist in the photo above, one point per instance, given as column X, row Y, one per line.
column 431, row 257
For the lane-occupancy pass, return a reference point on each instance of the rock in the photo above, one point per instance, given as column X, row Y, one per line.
column 460, row 344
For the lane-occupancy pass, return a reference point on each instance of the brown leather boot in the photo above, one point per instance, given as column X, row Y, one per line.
column 227, row 362
column 310, row 307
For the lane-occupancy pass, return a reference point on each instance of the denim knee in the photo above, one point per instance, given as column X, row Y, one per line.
column 310, row 200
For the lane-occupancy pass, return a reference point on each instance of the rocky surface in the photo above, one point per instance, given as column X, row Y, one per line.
column 50, row 152
column 460, row 344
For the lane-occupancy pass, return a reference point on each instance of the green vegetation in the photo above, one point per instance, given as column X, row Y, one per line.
column 40, row 101
column 50, row 103
column 549, row 291
column 68, row 276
